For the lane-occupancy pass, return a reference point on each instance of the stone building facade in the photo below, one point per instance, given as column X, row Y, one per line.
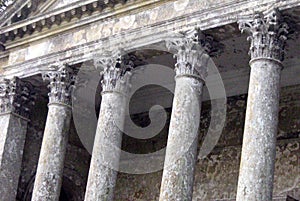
column 79, row 80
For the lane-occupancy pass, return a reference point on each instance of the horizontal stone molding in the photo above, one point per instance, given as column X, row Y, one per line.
column 135, row 38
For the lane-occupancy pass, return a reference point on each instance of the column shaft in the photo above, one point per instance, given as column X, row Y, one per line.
column 192, row 50
column 106, row 150
column 12, row 140
column 16, row 97
column 107, row 144
column 49, row 174
column 267, row 34
column 259, row 142
column 178, row 175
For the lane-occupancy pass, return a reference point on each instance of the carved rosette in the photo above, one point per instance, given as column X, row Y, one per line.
column 16, row 96
column 62, row 80
column 192, row 50
column 268, row 35
column 115, row 73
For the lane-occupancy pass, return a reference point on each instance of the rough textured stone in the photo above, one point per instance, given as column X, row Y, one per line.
column 15, row 101
column 12, row 139
column 107, row 144
column 48, row 180
column 268, row 35
column 136, row 25
column 102, row 175
column 215, row 177
column 49, row 174
column 181, row 154
column 258, row 154
column 191, row 69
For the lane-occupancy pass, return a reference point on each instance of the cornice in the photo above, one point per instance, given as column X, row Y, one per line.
column 68, row 17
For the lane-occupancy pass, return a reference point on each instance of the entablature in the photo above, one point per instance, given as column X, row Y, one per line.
column 146, row 27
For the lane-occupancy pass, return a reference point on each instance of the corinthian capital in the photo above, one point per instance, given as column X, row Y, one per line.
column 115, row 71
column 16, row 96
column 192, row 50
column 62, row 80
column 267, row 34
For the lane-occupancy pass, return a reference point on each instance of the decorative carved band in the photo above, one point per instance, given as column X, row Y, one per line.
column 115, row 71
column 192, row 50
column 267, row 34
column 16, row 96
column 62, row 80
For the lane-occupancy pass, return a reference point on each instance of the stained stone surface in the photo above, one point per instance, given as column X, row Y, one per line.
column 49, row 174
column 259, row 143
column 181, row 154
column 106, row 150
column 12, row 139
column 215, row 177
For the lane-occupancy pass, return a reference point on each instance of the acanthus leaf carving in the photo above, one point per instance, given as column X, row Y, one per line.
column 267, row 34
column 61, row 84
column 116, row 72
column 193, row 50
column 16, row 96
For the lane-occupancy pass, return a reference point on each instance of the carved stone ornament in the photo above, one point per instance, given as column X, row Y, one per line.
column 16, row 96
column 193, row 50
column 115, row 71
column 268, row 35
column 62, row 80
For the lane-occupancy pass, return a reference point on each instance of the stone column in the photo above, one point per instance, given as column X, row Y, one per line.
column 15, row 101
column 107, row 144
column 181, row 154
column 267, row 35
column 49, row 174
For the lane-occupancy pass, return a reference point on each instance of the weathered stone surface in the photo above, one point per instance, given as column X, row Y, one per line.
column 49, row 174
column 257, row 163
column 102, row 175
column 181, row 154
column 48, row 180
column 12, row 139
column 215, row 177
column 268, row 35
column 107, row 144
column 191, row 71
column 76, row 161
column 156, row 16
column 78, row 40
column 15, row 104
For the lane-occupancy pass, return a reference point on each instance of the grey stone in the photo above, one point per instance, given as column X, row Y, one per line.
column 12, row 139
column 191, row 71
column 267, row 34
column 49, row 174
column 107, row 144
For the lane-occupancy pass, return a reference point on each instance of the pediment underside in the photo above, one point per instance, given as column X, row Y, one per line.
column 22, row 10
